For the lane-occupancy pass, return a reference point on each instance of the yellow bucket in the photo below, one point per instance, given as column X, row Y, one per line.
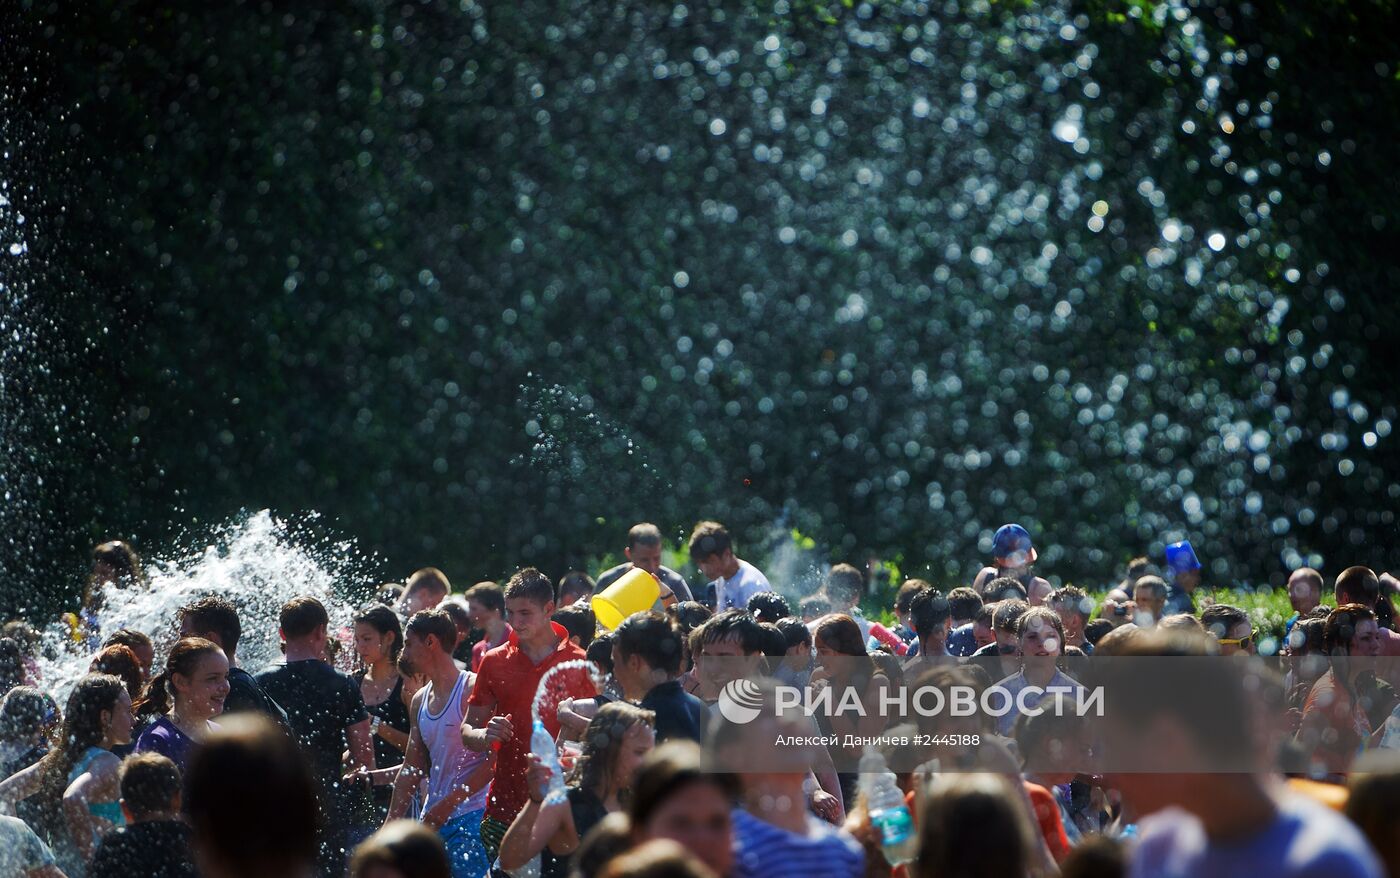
column 634, row 592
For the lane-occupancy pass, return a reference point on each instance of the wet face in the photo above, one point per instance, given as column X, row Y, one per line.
column 529, row 617
column 119, row 721
column 370, row 645
column 696, row 816
column 202, row 693
column 647, row 557
column 413, row 657
column 637, row 742
column 103, row 573
column 713, row 567
column 982, row 633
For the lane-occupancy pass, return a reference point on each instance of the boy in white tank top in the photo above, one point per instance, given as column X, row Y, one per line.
column 458, row 778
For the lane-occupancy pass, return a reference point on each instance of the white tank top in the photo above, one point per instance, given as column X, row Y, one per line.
column 451, row 760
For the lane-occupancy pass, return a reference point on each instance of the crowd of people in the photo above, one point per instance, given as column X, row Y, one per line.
column 504, row 731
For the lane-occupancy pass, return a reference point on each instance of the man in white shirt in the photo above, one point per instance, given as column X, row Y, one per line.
column 734, row 579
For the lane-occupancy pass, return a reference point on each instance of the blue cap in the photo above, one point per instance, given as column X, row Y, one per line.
column 1012, row 544
column 1181, row 558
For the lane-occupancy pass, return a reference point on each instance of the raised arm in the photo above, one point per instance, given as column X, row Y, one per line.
column 538, row 825
column 21, row 785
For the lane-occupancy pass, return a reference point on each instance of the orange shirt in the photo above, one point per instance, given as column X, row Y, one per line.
column 507, row 682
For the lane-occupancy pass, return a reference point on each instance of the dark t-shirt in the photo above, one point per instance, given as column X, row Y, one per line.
column 680, row 716
column 244, row 694
column 321, row 703
column 159, row 849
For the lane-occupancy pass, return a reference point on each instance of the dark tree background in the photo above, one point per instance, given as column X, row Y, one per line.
column 485, row 283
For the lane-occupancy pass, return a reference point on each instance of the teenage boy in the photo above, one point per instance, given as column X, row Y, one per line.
column 843, row 587
column 643, row 550
column 216, row 620
column 1000, row 657
column 486, row 604
column 499, row 713
column 1012, row 556
column 155, row 843
column 735, row 580
column 327, row 715
column 929, row 616
column 457, row 778
column 1304, row 594
column 425, row 589
column 1074, row 607
column 647, row 649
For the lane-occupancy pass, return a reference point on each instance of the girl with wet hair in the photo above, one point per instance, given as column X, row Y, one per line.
column 614, row 744
column 77, row 784
column 183, row 700
column 378, row 642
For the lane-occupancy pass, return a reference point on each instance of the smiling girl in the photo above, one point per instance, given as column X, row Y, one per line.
column 185, row 698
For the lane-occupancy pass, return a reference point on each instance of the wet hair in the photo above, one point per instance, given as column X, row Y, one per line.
column 129, row 637
column 1041, row 617
column 120, row 661
column 184, row 658
column 768, row 606
column 25, row 710
column 927, row 611
column 964, row 602
column 1340, row 627
column 1218, row 619
column 251, row 799
column 658, row 858
column 689, row 615
column 579, row 621
column 1007, row 616
column 795, row 632
column 489, row 595
column 732, row 624
column 667, row 771
column 301, row 616
column 1003, row 588
column 574, row 582
column 1096, row 629
column 644, row 534
column 774, row 641
column 1072, row 598
column 434, row 623
column 149, row 784
column 841, row 634
column 384, row 620
column 82, row 729
column 600, row 651
column 1357, row 585
column 710, row 538
column 532, row 585
column 429, row 578
column 844, row 583
column 653, row 637
column 214, row 615
column 406, row 847
column 122, row 559
column 814, row 605
column 906, row 593
column 602, row 742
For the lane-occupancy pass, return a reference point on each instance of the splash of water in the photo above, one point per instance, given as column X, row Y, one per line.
column 542, row 693
column 258, row 564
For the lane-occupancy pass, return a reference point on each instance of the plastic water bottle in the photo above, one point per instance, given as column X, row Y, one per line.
column 542, row 745
column 888, row 813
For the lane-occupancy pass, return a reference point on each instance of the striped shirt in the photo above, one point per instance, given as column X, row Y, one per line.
column 762, row 850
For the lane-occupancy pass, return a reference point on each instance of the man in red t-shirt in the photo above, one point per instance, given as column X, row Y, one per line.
column 499, row 709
